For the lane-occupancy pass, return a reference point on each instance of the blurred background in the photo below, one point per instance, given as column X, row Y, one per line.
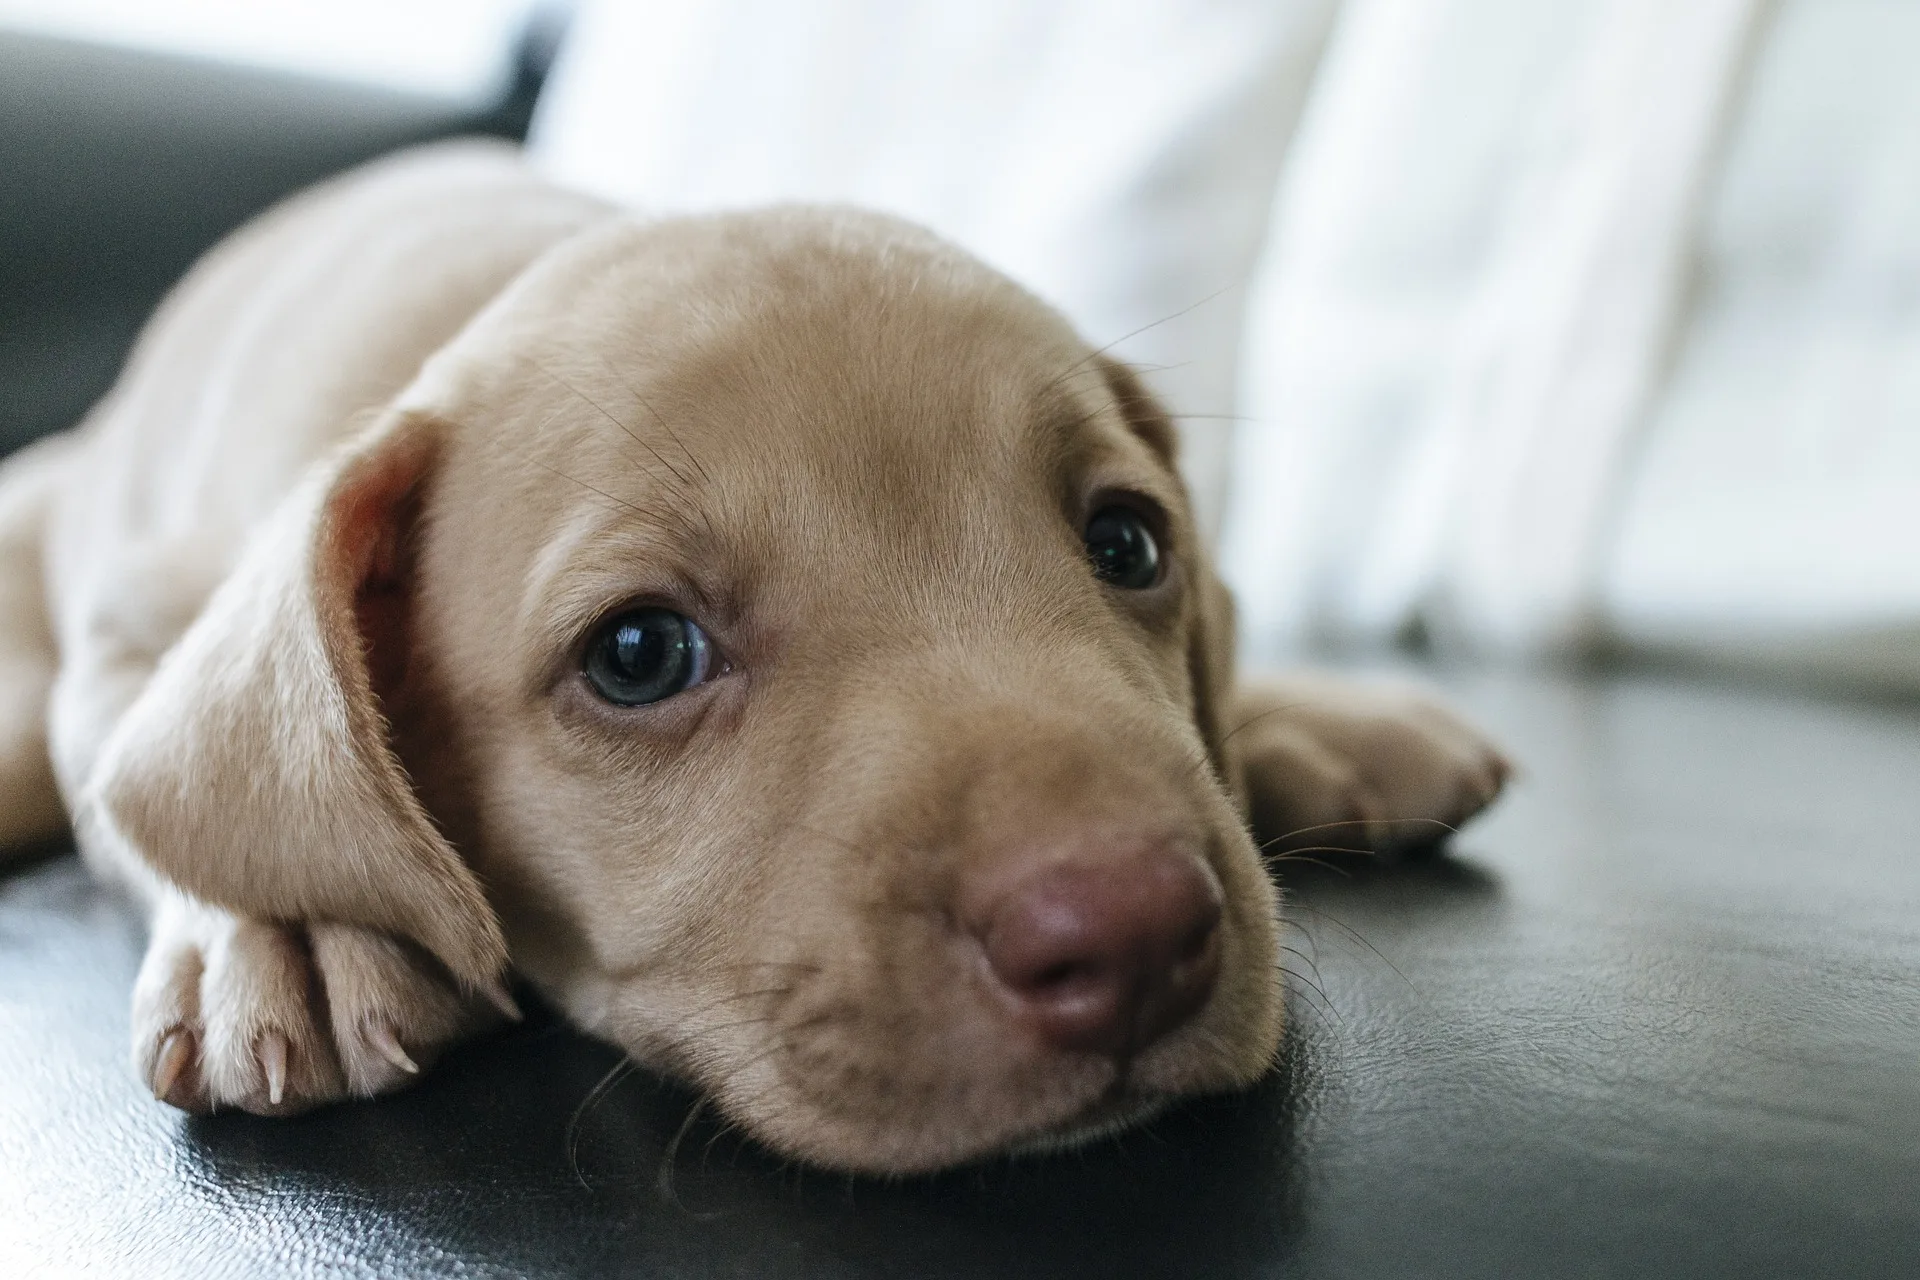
column 1581, row 330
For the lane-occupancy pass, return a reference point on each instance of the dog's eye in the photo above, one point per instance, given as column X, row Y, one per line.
column 1122, row 549
column 647, row 655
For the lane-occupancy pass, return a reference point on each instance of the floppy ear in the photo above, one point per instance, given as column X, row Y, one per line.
column 1210, row 630
column 255, row 770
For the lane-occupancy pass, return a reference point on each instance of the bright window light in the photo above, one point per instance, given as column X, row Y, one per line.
column 445, row 48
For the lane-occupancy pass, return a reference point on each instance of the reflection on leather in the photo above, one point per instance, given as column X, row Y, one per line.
column 1659, row 1015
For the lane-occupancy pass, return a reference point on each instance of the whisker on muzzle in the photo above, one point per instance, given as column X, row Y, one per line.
column 1349, row 931
column 1321, row 1003
column 608, row 1082
column 1442, row 828
column 670, row 1157
column 677, row 1047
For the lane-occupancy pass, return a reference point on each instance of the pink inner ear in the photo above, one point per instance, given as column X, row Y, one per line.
column 374, row 511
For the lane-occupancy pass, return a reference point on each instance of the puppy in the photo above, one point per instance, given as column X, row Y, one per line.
column 775, row 635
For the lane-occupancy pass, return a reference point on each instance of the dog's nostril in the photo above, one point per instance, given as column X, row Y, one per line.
column 1107, row 956
column 1058, row 976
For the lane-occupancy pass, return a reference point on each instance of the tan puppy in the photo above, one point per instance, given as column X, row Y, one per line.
column 777, row 634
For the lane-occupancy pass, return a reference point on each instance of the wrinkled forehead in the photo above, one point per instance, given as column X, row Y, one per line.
column 788, row 385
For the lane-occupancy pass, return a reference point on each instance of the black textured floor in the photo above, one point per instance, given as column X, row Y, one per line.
column 1660, row 1015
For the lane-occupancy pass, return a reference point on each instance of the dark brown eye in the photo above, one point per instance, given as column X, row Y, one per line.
column 1122, row 549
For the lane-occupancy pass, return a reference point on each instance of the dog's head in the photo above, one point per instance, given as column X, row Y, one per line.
column 803, row 638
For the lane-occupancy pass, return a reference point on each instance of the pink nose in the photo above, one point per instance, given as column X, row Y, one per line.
column 1107, row 956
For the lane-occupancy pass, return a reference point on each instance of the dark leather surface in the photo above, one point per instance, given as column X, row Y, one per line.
column 1660, row 1015
column 119, row 168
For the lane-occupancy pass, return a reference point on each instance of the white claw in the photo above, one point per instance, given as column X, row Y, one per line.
column 176, row 1050
column 381, row 1037
column 497, row 996
column 273, row 1059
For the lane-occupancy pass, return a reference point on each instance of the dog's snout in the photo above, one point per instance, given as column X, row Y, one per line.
column 1106, row 955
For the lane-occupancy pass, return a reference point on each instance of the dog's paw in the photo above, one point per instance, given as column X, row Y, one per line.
column 272, row 1019
column 1337, row 765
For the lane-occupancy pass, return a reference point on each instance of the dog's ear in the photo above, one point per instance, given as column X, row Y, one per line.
column 1210, row 632
column 255, row 771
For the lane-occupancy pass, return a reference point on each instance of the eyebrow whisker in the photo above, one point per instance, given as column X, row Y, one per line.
column 685, row 480
column 1083, row 362
column 666, row 511
column 661, row 421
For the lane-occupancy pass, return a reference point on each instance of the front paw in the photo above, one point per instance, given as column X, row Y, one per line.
column 273, row 1019
column 1335, row 765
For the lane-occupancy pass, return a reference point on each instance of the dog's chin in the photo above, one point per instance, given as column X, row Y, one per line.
column 1109, row 1115
column 891, row 1119
column 939, row 1143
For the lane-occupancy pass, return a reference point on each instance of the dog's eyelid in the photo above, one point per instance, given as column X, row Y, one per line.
column 686, row 604
column 1141, row 502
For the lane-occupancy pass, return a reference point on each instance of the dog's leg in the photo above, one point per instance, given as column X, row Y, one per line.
column 1339, row 764
column 231, row 1011
column 275, row 1019
column 30, row 808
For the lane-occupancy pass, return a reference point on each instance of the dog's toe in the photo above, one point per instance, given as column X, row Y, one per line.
column 265, row 1050
column 166, row 1013
column 391, row 1007
column 275, row 1019
column 1331, row 764
column 176, row 1053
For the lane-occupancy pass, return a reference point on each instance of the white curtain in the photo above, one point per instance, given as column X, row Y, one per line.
column 1595, row 325
column 1772, row 512
column 1476, row 272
